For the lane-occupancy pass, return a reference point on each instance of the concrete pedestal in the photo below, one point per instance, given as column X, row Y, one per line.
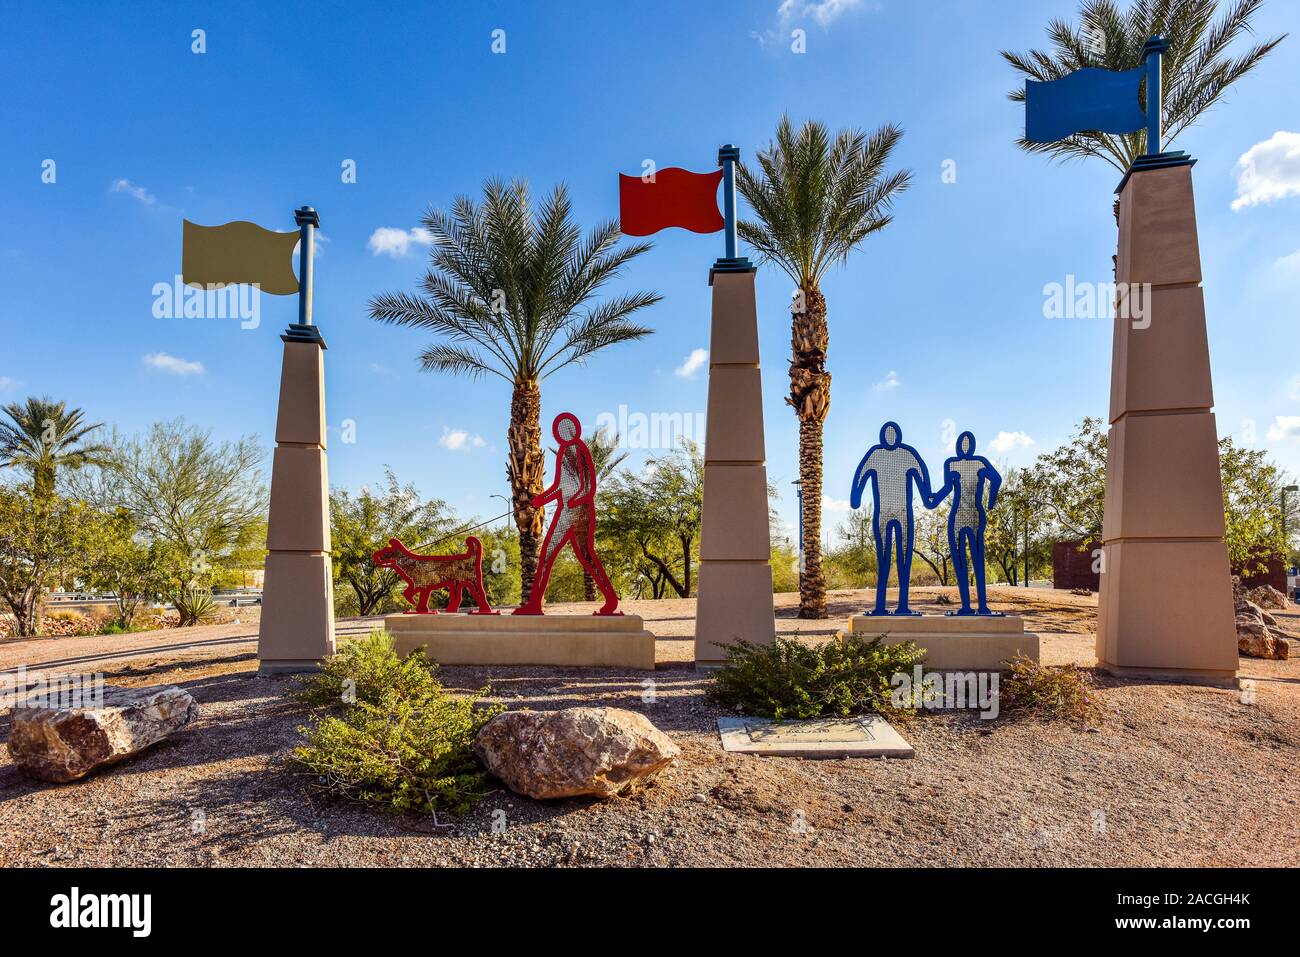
column 735, row 580
column 952, row 642
column 297, row 627
column 1166, row 594
column 592, row 641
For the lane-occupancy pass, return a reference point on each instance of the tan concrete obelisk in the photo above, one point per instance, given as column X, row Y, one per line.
column 735, row 583
column 1166, row 595
column 297, row 628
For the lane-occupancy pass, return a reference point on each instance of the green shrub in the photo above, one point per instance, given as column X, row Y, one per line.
column 791, row 680
column 397, row 738
column 404, row 754
column 367, row 670
column 195, row 606
column 1050, row 694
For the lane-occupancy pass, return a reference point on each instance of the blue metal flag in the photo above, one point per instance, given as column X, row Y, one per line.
column 1088, row 99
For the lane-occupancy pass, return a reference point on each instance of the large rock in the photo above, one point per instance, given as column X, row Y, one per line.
column 1266, row 596
column 1256, row 634
column 63, row 744
column 557, row 754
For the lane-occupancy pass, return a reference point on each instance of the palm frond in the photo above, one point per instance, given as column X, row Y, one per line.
column 1197, row 69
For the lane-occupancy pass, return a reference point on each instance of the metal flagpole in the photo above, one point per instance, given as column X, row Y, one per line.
column 1152, row 52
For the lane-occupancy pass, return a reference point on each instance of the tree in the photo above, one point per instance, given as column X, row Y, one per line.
column 201, row 503
column 41, row 538
column 511, row 291
column 1019, row 515
column 361, row 524
column 1252, row 502
column 658, row 515
column 116, row 559
column 43, row 436
column 815, row 200
column 852, row 562
column 1196, row 69
column 605, row 455
column 930, row 542
column 1071, row 481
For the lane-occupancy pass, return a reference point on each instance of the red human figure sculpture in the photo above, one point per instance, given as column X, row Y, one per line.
column 574, row 522
column 424, row 574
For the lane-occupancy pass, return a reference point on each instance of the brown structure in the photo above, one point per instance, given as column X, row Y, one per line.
column 297, row 628
column 1265, row 570
column 569, row 641
column 1072, row 565
column 1166, row 599
column 735, row 581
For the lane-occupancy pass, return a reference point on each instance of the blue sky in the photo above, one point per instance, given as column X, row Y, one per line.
column 940, row 317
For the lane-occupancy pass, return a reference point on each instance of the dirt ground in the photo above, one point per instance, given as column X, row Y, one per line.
column 1176, row 775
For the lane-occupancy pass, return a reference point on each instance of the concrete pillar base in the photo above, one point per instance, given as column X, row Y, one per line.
column 297, row 627
column 735, row 578
column 1214, row 679
column 1165, row 606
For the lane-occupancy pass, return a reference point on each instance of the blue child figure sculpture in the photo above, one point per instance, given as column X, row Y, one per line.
column 966, row 475
column 892, row 467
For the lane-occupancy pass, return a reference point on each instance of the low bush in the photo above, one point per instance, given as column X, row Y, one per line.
column 367, row 670
column 395, row 738
column 1063, row 693
column 791, row 680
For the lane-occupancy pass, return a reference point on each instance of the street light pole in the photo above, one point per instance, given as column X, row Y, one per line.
column 799, row 492
column 1286, row 541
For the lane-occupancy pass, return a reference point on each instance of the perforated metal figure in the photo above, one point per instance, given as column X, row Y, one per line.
column 892, row 468
column 574, row 522
column 966, row 475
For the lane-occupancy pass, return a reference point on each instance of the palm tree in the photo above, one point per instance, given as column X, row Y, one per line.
column 815, row 199
column 43, row 436
column 511, row 290
column 1196, row 69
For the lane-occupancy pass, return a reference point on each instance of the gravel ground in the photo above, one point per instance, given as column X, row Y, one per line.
column 1176, row 775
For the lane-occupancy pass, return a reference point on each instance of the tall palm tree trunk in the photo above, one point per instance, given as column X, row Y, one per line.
column 810, row 395
column 524, row 469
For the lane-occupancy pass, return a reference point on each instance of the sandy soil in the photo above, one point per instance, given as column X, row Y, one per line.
column 1176, row 775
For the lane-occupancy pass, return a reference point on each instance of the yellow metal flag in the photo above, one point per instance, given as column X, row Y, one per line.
column 239, row 252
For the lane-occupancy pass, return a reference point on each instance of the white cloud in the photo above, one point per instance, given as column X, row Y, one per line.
column 1269, row 171
column 1288, row 264
column 693, row 364
column 7, row 383
column 1284, row 427
column 835, row 504
column 458, row 440
column 792, row 13
column 891, row 381
column 1006, row 441
column 172, row 365
column 390, row 241
column 138, row 193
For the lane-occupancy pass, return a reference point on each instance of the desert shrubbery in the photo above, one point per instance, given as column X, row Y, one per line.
column 393, row 736
column 791, row 680
column 1060, row 693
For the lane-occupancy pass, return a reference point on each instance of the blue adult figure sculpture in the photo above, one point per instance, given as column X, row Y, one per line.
column 965, row 476
column 892, row 467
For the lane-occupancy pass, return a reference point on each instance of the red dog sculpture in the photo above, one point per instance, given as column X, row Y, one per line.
column 428, row 573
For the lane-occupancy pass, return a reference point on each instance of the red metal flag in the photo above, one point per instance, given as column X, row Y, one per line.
column 674, row 197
